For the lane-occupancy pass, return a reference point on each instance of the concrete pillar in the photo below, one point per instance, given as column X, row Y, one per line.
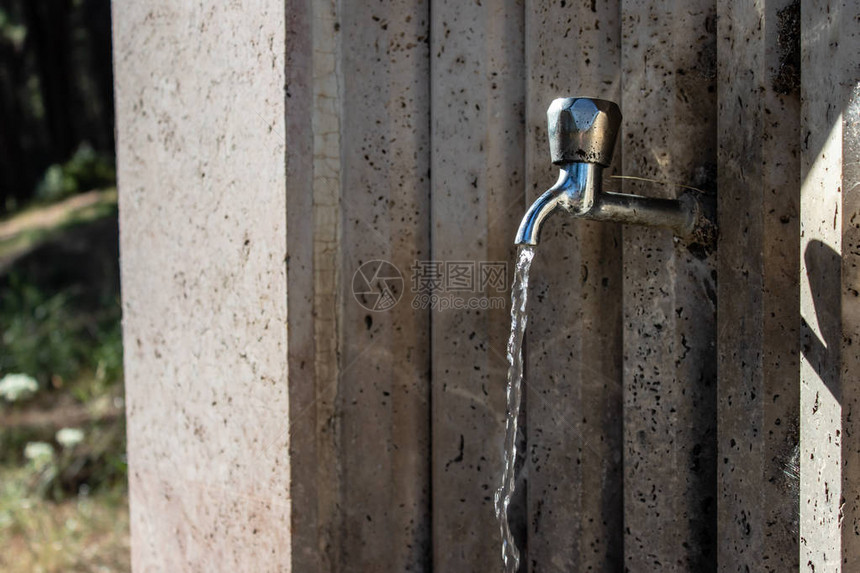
column 200, row 141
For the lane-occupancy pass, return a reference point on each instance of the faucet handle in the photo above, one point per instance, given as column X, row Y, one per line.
column 582, row 130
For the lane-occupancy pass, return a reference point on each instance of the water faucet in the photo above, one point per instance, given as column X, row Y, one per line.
column 582, row 133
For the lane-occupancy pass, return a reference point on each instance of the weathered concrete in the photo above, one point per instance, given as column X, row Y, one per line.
column 200, row 107
column 477, row 171
column 669, row 134
column 573, row 359
column 758, row 346
column 358, row 105
column 828, row 302
column 850, row 508
column 384, row 394
column 636, row 456
column 313, row 190
column 308, row 475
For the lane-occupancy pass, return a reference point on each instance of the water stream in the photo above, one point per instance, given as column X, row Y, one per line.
column 519, row 295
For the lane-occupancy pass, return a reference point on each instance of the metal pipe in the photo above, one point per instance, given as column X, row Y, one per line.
column 674, row 214
column 582, row 136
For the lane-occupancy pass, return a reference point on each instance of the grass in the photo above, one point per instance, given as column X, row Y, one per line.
column 84, row 533
column 64, row 509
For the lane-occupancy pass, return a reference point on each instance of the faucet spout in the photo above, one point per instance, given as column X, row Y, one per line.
column 575, row 192
column 582, row 135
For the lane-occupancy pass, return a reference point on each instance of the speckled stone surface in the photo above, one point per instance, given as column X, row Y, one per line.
column 669, row 134
column 758, row 294
column 268, row 149
column 573, row 360
column 358, row 191
column 384, row 393
column 477, row 92
column 828, row 302
column 850, row 358
column 200, row 107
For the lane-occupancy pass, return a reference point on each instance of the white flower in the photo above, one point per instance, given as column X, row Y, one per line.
column 39, row 452
column 70, row 437
column 15, row 387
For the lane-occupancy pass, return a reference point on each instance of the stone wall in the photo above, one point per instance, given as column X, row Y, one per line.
column 687, row 409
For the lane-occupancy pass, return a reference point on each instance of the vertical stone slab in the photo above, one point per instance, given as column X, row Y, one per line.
column 669, row 134
column 200, row 99
column 759, row 194
column 383, row 404
column 358, row 115
column 573, row 359
column 851, row 313
column 477, row 167
column 313, row 212
column 828, row 305
column 307, row 533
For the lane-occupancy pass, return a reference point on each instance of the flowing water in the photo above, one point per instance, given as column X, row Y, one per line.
column 519, row 295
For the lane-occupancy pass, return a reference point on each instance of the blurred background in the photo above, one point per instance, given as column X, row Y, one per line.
column 63, row 487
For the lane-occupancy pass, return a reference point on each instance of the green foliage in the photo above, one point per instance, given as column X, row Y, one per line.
column 55, row 184
column 96, row 463
column 103, row 359
column 11, row 30
column 108, row 352
column 63, row 507
column 13, row 441
column 39, row 336
column 89, row 169
column 57, row 471
column 47, row 337
column 86, row 170
column 74, row 351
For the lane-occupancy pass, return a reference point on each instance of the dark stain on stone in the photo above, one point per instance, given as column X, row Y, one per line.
column 698, row 251
column 787, row 78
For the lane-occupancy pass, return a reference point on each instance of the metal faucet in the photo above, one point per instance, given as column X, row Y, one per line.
column 582, row 135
